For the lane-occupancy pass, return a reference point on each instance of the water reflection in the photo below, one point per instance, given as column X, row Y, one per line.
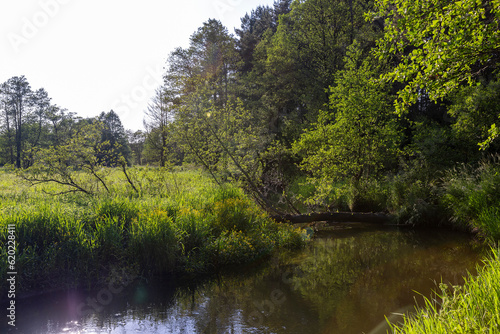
column 344, row 282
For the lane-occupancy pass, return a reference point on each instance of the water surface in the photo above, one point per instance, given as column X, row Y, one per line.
column 345, row 281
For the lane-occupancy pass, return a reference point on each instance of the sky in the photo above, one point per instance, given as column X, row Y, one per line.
column 96, row 55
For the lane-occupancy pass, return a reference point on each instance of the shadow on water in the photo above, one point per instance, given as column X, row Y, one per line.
column 345, row 281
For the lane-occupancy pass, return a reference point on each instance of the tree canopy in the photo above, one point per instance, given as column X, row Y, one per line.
column 438, row 45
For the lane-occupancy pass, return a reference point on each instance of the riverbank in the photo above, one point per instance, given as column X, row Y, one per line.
column 470, row 200
column 181, row 223
column 471, row 308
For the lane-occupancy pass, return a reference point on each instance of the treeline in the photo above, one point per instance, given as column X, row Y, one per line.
column 30, row 123
column 312, row 103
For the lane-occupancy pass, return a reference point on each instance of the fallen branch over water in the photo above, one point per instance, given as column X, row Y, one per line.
column 339, row 217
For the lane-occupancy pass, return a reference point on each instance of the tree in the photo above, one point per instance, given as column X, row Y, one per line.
column 295, row 65
column 438, row 45
column 75, row 164
column 136, row 141
column 158, row 120
column 7, row 131
column 113, row 139
column 24, row 116
column 359, row 137
column 208, row 64
column 17, row 96
column 473, row 109
column 198, row 79
column 252, row 30
column 61, row 124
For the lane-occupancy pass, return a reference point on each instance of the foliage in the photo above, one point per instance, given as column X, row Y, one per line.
column 113, row 140
column 472, row 196
column 414, row 195
column 158, row 124
column 298, row 62
column 436, row 144
column 439, row 45
column 83, row 152
column 22, row 109
column 359, row 137
column 475, row 108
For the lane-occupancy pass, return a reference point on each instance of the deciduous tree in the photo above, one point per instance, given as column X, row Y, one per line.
column 439, row 45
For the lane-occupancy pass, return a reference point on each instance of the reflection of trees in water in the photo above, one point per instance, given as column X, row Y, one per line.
column 353, row 281
column 334, row 265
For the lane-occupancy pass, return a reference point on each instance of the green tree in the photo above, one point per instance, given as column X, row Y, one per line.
column 78, row 163
column 473, row 110
column 438, row 45
column 212, row 51
column 18, row 102
column 158, row 124
column 23, row 119
column 61, row 124
column 360, row 136
column 74, row 164
column 253, row 28
column 113, row 139
column 294, row 66
column 136, row 142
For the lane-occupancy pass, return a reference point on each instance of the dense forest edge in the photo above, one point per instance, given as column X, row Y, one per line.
column 311, row 107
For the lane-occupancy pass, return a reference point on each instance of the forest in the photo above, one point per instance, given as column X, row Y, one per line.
column 311, row 106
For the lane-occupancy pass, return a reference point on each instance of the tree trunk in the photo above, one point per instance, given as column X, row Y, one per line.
column 19, row 136
column 339, row 217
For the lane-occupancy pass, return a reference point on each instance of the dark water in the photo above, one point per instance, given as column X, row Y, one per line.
column 343, row 282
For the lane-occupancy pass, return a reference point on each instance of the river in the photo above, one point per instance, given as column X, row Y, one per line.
column 344, row 281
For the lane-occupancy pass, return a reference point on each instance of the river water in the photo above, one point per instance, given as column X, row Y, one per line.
column 344, row 281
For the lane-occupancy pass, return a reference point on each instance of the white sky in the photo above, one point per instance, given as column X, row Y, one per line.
column 97, row 55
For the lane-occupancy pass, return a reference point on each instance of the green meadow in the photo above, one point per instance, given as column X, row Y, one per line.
column 179, row 223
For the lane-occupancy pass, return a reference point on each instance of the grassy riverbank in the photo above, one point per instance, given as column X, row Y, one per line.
column 470, row 199
column 181, row 223
column 472, row 308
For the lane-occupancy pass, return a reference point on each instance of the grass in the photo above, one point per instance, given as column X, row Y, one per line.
column 181, row 222
column 472, row 308
column 472, row 197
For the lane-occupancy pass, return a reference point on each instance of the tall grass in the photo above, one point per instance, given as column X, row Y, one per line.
column 473, row 308
column 472, row 197
column 184, row 224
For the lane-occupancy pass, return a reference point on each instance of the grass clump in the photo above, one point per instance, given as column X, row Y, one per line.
column 472, row 308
